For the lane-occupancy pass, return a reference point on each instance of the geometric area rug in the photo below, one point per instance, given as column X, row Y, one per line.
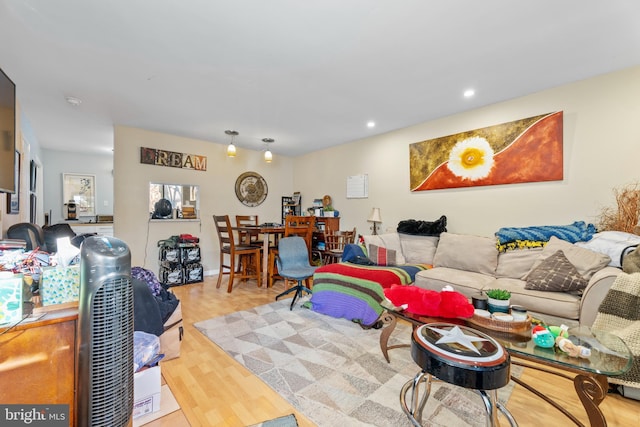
column 333, row 371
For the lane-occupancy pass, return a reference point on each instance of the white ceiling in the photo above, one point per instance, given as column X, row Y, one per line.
column 309, row 74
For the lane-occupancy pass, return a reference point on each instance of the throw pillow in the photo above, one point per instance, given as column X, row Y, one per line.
column 389, row 241
column 517, row 264
column 418, row 249
column 382, row 256
column 587, row 262
column 556, row 274
column 466, row 252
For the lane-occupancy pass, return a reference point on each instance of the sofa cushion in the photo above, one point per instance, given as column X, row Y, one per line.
column 585, row 261
column 560, row 304
column 466, row 282
column 382, row 256
column 555, row 274
column 517, row 263
column 418, row 249
column 388, row 241
column 467, row 252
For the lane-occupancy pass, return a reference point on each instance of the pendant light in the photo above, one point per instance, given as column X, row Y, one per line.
column 268, row 157
column 231, row 149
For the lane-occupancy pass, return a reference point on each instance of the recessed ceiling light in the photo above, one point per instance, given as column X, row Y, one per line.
column 371, row 124
column 469, row 93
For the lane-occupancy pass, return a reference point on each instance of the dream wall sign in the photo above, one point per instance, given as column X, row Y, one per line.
column 153, row 156
column 526, row 150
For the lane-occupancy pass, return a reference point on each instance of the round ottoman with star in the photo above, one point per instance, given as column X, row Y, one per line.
column 461, row 356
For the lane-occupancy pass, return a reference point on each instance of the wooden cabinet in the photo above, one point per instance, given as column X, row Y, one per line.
column 328, row 223
column 38, row 361
column 323, row 224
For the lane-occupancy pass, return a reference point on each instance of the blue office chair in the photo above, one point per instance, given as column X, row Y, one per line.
column 293, row 263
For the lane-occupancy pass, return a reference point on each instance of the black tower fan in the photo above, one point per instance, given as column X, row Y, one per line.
column 105, row 344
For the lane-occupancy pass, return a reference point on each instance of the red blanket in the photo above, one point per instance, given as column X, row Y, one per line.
column 385, row 275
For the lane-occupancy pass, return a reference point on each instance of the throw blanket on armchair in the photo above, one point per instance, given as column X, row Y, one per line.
column 354, row 292
column 619, row 314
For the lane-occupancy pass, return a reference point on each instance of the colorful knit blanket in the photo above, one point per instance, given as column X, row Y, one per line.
column 619, row 314
column 576, row 232
column 354, row 292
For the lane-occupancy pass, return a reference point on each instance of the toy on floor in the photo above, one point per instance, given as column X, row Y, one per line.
column 447, row 303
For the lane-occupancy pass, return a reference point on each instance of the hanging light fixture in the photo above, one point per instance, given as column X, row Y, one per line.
column 268, row 157
column 231, row 149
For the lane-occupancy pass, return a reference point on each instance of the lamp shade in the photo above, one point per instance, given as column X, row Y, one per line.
column 268, row 157
column 375, row 215
column 231, row 150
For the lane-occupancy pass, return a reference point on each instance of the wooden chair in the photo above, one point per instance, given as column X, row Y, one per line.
column 335, row 241
column 243, row 236
column 229, row 247
column 302, row 226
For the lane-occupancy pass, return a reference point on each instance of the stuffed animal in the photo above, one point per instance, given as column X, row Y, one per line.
column 572, row 349
column 414, row 299
column 425, row 302
column 542, row 337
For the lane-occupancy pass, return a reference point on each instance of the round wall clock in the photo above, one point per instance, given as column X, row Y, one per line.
column 251, row 189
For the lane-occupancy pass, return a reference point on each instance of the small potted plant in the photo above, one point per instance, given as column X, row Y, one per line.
column 498, row 300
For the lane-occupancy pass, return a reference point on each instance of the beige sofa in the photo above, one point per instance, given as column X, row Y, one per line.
column 471, row 264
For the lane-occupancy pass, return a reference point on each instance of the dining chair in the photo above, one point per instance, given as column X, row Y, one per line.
column 335, row 241
column 245, row 237
column 233, row 250
column 293, row 264
column 302, row 226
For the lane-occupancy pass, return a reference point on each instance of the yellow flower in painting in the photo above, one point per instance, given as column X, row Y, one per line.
column 471, row 158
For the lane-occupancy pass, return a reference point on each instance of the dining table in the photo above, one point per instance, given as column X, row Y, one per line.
column 266, row 230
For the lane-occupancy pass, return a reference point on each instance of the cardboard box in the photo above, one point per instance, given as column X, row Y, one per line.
column 60, row 284
column 171, row 338
column 146, row 391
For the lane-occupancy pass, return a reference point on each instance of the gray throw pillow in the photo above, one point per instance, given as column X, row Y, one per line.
column 584, row 260
column 556, row 274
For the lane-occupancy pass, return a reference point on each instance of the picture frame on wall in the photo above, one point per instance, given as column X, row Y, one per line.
column 81, row 189
column 13, row 200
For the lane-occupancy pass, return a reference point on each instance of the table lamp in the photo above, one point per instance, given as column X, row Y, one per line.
column 375, row 218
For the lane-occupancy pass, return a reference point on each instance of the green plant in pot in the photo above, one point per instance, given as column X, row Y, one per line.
column 499, row 300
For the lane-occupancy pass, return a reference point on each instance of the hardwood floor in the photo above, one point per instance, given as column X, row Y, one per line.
column 214, row 390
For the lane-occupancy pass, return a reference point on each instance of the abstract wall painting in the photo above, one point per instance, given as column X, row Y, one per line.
column 525, row 150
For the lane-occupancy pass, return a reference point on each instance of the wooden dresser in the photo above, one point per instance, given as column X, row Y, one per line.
column 38, row 361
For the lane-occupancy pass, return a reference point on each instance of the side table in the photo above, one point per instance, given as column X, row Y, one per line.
column 461, row 356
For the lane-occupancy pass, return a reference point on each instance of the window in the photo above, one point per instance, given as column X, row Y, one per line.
column 180, row 196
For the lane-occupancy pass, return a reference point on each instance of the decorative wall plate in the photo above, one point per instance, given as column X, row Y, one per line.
column 251, row 189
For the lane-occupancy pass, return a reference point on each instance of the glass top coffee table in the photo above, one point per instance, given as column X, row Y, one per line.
column 609, row 356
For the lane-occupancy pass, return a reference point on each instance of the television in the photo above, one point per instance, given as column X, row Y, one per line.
column 7, row 134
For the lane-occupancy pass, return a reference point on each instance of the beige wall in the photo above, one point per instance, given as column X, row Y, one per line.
column 217, row 191
column 601, row 151
column 601, row 148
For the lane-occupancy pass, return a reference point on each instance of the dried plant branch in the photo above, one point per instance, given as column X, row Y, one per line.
column 623, row 217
